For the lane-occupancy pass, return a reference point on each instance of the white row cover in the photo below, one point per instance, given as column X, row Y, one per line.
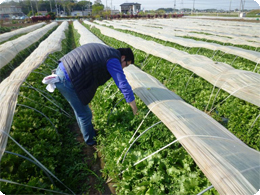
column 238, row 30
column 10, row 49
column 88, row 36
column 9, row 88
column 182, row 27
column 219, row 154
column 220, row 18
column 239, row 83
column 230, row 165
column 166, row 36
column 232, row 28
column 8, row 35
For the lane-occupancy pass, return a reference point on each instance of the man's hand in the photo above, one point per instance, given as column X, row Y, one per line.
column 133, row 106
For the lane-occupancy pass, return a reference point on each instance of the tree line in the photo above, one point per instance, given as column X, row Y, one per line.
column 60, row 7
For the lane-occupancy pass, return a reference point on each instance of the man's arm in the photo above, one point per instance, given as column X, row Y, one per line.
column 115, row 69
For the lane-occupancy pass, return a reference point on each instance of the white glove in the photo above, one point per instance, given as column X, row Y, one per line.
column 51, row 80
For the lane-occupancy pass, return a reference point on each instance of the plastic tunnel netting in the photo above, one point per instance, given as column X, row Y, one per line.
column 239, row 83
column 230, row 165
column 165, row 34
column 86, row 35
column 233, row 32
column 10, row 49
column 219, row 18
column 9, row 88
column 8, row 35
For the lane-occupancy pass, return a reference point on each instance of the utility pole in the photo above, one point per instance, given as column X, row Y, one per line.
column 37, row 9
column 31, row 7
column 182, row 5
column 241, row 4
column 50, row 6
column 57, row 11
column 174, row 5
column 193, row 5
column 89, row 8
column 111, row 7
column 230, row 6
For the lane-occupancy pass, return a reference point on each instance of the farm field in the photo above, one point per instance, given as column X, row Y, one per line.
column 197, row 90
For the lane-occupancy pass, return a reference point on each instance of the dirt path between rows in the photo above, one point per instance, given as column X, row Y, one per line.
column 95, row 165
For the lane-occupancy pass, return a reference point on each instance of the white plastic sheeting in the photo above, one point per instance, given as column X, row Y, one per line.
column 8, row 35
column 86, row 35
column 166, row 36
column 10, row 49
column 230, row 165
column 182, row 27
column 234, row 30
column 239, row 83
column 220, row 18
column 9, row 88
column 219, row 154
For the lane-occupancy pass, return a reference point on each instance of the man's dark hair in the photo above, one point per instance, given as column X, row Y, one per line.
column 128, row 53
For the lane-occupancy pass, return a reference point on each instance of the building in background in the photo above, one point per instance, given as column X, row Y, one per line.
column 130, row 8
column 86, row 12
column 10, row 12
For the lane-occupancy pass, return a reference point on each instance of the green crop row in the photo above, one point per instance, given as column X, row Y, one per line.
column 4, row 29
column 162, row 174
column 44, row 130
column 171, row 171
column 219, row 56
column 238, row 116
column 248, row 47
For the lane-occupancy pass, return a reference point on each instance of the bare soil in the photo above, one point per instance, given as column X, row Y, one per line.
column 17, row 23
column 95, row 164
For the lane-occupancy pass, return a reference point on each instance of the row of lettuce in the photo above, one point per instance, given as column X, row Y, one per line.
column 42, row 125
column 238, row 116
column 218, row 56
column 171, row 171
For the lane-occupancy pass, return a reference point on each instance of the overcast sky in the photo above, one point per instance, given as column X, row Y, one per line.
column 199, row 4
